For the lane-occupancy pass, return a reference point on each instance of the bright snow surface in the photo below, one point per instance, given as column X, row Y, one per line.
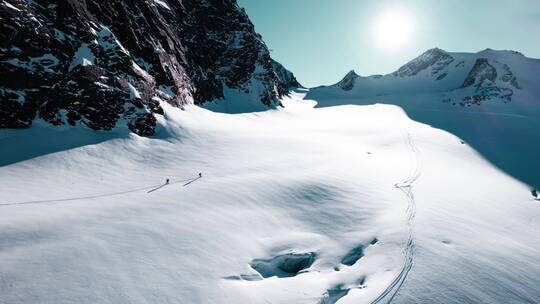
column 419, row 216
column 505, row 133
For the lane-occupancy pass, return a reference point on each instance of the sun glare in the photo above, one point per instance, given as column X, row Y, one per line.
column 393, row 29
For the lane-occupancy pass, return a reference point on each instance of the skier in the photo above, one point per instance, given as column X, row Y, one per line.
column 534, row 193
column 200, row 174
column 167, row 181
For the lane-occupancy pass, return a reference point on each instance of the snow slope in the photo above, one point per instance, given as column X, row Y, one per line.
column 490, row 99
column 343, row 204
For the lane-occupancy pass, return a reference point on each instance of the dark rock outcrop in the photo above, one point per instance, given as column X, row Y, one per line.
column 347, row 83
column 102, row 62
column 483, row 79
column 286, row 76
column 481, row 73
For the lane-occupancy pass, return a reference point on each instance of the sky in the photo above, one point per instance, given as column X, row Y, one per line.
column 321, row 40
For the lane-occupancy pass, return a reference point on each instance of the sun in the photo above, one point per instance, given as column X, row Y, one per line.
column 393, row 29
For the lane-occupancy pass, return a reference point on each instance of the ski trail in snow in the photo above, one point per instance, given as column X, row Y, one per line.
column 408, row 250
column 150, row 188
column 157, row 188
column 193, row 180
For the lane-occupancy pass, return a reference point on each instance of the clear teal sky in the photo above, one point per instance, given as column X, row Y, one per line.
column 321, row 40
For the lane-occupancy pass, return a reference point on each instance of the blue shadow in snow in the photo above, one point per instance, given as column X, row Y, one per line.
column 40, row 139
column 510, row 141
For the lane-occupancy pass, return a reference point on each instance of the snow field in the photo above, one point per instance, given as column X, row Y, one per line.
column 297, row 189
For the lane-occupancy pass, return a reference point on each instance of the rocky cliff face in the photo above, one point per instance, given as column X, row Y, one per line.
column 490, row 79
column 285, row 75
column 105, row 63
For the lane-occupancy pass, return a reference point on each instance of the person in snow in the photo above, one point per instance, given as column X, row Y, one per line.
column 200, row 174
column 534, row 193
column 167, row 181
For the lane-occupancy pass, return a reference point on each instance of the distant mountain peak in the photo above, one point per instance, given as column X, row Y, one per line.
column 461, row 78
column 347, row 83
column 435, row 50
column 351, row 73
column 509, row 52
column 434, row 58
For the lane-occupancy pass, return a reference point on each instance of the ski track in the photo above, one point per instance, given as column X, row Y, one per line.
column 150, row 188
column 408, row 250
column 193, row 180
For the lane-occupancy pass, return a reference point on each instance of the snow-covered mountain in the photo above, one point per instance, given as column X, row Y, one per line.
column 462, row 79
column 327, row 200
column 491, row 99
column 103, row 63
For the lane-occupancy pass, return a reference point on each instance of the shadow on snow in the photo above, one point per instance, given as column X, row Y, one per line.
column 510, row 141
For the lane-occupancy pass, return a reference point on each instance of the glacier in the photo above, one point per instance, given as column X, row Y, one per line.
column 302, row 204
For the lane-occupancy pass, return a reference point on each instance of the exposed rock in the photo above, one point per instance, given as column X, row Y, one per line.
column 509, row 77
column 96, row 62
column 436, row 59
column 285, row 76
column 347, row 83
column 483, row 77
column 481, row 73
